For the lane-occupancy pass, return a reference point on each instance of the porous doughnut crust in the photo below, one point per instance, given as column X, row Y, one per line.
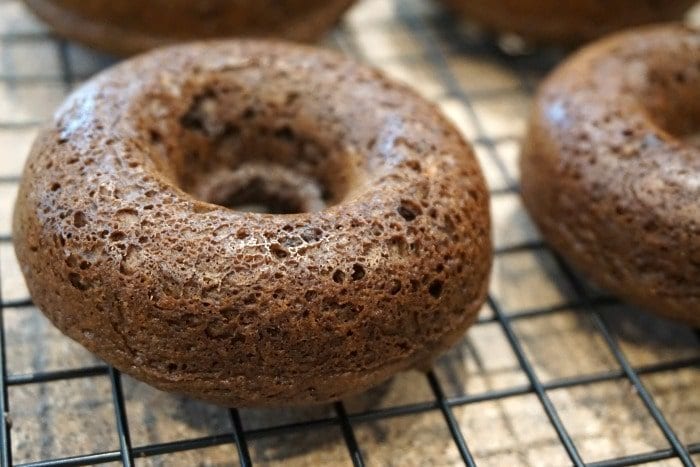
column 568, row 21
column 377, row 263
column 125, row 27
column 610, row 171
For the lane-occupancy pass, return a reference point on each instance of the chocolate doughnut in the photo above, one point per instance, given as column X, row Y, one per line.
column 569, row 21
column 610, row 172
column 374, row 257
column 128, row 26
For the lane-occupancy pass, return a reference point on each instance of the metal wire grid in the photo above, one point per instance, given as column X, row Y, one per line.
column 424, row 30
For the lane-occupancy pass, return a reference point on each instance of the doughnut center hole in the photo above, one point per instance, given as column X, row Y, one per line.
column 683, row 124
column 253, row 156
column 673, row 100
column 264, row 188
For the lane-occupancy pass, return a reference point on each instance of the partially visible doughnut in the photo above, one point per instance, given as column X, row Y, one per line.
column 610, row 172
column 567, row 21
column 128, row 26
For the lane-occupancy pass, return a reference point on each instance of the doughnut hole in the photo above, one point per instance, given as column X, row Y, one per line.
column 672, row 98
column 229, row 150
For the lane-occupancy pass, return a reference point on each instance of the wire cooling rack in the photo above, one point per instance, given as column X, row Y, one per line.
column 553, row 373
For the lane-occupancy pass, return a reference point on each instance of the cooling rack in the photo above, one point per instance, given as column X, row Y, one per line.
column 553, row 373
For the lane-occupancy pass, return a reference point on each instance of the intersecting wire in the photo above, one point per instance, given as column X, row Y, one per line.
column 6, row 422
column 435, row 56
column 239, row 436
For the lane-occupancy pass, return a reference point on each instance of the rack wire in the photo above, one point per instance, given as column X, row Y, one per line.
column 423, row 36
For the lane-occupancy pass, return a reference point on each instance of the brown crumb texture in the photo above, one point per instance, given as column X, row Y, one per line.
column 610, row 171
column 129, row 227
column 570, row 21
column 129, row 26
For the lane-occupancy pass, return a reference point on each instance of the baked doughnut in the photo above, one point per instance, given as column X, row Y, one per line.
column 569, row 21
column 129, row 26
column 609, row 170
column 374, row 258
